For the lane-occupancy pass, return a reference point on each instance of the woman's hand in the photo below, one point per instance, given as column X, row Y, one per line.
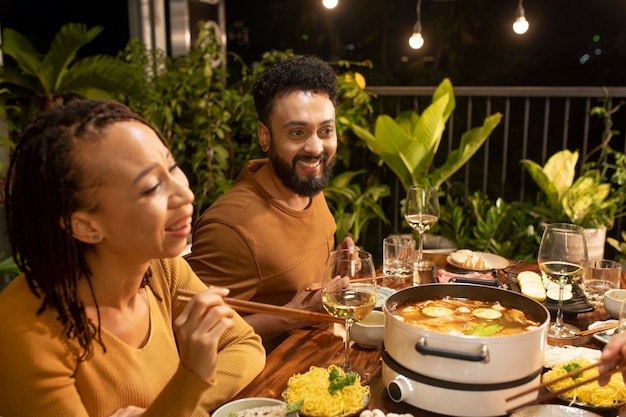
column 613, row 353
column 199, row 328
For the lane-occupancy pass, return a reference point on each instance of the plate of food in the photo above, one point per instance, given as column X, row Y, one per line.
column 327, row 392
column 589, row 396
column 476, row 261
column 574, row 302
column 258, row 407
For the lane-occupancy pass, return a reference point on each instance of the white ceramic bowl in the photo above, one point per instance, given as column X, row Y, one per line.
column 245, row 404
column 370, row 331
column 613, row 300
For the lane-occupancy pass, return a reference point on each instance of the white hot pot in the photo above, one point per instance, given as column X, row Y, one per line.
column 462, row 375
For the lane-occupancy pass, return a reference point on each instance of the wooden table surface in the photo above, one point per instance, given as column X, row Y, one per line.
column 322, row 346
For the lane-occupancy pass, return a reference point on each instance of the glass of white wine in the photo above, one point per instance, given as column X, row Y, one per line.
column 561, row 258
column 421, row 211
column 349, row 290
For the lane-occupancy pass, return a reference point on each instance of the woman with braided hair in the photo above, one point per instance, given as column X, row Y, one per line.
column 97, row 212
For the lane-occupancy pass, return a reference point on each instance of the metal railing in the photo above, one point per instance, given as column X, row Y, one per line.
column 536, row 122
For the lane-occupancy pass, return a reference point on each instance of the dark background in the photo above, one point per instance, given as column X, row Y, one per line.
column 470, row 41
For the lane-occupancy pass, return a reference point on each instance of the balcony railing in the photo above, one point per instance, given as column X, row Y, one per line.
column 537, row 122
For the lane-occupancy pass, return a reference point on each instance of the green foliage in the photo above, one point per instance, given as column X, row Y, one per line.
column 619, row 245
column 506, row 229
column 597, row 196
column 355, row 207
column 585, row 201
column 31, row 83
column 9, row 267
column 186, row 99
column 409, row 143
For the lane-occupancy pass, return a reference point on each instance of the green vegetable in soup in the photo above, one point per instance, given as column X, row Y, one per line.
column 485, row 330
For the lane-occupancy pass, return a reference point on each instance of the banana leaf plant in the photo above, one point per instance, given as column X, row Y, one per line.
column 408, row 144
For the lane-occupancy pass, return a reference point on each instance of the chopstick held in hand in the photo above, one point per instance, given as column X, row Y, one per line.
column 261, row 308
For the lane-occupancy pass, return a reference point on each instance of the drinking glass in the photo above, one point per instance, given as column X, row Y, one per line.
column 421, row 211
column 349, row 290
column 561, row 258
column 600, row 276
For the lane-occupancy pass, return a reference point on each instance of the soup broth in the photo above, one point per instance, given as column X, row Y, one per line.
column 465, row 317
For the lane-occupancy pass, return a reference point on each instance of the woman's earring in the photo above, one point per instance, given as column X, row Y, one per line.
column 95, row 237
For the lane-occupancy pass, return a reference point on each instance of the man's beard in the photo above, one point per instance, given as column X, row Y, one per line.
column 307, row 186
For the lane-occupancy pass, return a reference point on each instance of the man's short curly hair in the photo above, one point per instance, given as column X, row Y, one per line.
column 296, row 73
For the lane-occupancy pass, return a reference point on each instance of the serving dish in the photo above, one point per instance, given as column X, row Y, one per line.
column 596, row 411
column 366, row 400
column 605, row 336
column 551, row 410
column 571, row 308
column 495, row 261
column 246, row 404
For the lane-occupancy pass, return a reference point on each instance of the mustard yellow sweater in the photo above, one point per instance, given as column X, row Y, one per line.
column 40, row 376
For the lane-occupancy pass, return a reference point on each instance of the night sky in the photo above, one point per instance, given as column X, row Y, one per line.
column 470, row 40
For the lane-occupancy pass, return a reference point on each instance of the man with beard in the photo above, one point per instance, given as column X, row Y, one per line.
column 268, row 237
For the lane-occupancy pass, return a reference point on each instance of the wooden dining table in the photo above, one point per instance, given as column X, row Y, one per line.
column 323, row 345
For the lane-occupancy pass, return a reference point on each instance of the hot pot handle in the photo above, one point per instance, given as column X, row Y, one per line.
column 422, row 347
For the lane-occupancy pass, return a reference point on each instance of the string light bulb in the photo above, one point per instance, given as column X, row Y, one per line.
column 520, row 26
column 416, row 41
column 330, row 4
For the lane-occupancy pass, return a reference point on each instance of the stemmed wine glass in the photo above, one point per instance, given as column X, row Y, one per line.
column 421, row 211
column 562, row 253
column 349, row 290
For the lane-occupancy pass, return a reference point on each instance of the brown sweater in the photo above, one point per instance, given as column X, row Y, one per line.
column 261, row 249
column 40, row 376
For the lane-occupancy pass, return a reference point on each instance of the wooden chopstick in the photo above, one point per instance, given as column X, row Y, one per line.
column 551, row 394
column 262, row 308
column 597, row 329
column 319, row 287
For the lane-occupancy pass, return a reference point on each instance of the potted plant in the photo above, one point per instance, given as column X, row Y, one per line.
column 595, row 198
column 408, row 144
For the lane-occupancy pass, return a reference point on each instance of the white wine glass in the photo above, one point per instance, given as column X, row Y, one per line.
column 349, row 290
column 421, row 211
column 561, row 258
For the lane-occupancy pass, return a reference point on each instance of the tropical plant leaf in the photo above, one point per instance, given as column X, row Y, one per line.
column 561, row 170
column 65, row 45
column 409, row 143
column 471, row 141
column 544, row 183
column 18, row 47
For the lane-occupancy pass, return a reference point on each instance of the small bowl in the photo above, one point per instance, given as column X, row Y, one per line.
column 245, row 404
column 369, row 332
column 613, row 300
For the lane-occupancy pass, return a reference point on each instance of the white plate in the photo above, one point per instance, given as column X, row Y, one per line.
column 605, row 336
column 383, row 293
column 551, row 410
column 496, row 261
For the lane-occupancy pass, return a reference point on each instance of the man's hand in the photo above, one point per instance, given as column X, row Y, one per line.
column 347, row 243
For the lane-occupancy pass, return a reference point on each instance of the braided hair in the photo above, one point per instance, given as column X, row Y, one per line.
column 46, row 182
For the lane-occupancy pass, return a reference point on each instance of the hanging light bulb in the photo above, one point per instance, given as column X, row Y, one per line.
column 330, row 4
column 416, row 41
column 520, row 26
